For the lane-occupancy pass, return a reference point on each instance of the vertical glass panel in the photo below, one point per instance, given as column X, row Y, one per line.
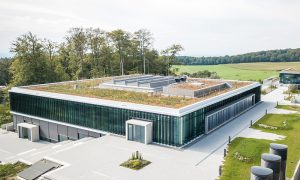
column 130, row 132
column 136, row 133
column 225, row 114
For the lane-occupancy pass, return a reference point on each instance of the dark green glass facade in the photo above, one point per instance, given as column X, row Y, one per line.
column 168, row 130
column 289, row 78
column 194, row 123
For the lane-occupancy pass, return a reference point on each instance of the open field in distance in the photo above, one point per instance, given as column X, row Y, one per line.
column 242, row 71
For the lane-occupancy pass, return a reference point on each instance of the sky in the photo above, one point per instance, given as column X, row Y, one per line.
column 202, row 27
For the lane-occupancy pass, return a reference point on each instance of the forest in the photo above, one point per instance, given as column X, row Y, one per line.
column 282, row 55
column 84, row 53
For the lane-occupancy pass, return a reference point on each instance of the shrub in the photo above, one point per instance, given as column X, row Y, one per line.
column 136, row 161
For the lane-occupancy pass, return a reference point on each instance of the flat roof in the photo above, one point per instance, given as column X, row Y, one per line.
column 197, row 84
column 37, row 169
column 138, row 122
column 157, row 103
column 27, row 125
column 290, row 72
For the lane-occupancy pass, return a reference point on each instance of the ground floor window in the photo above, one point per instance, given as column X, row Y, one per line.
column 224, row 114
column 62, row 138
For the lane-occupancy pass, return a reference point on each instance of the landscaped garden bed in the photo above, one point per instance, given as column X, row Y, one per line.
column 9, row 171
column 135, row 162
column 246, row 152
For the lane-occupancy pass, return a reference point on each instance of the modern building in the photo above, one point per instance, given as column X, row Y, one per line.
column 289, row 77
column 144, row 108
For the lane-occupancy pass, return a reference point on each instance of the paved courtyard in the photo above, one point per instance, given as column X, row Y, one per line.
column 100, row 158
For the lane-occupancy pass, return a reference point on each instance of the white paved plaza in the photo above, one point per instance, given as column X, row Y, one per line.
column 100, row 158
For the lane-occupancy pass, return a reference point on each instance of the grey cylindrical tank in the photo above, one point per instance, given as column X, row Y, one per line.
column 261, row 173
column 280, row 150
column 273, row 162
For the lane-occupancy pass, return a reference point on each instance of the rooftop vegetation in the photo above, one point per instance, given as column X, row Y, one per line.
column 89, row 88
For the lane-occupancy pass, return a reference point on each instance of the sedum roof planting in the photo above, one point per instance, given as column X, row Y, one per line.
column 89, row 88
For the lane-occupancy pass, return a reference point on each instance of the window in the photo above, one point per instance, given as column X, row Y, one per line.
column 223, row 115
column 136, row 133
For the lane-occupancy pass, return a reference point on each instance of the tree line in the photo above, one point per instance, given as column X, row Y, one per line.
column 202, row 74
column 4, row 70
column 282, row 55
column 84, row 53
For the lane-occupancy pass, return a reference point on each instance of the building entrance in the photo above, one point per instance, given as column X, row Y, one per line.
column 139, row 131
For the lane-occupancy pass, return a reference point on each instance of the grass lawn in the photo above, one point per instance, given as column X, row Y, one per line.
column 253, row 148
column 242, row 71
column 292, row 108
column 9, row 171
column 250, row 148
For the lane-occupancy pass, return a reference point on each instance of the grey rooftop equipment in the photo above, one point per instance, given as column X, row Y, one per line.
column 142, row 83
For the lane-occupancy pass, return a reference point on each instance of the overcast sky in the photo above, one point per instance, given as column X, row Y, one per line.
column 202, row 27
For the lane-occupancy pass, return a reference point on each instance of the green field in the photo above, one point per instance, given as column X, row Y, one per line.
column 251, row 149
column 243, row 71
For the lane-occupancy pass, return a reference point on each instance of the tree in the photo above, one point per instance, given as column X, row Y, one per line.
column 283, row 55
column 77, row 42
column 51, row 51
column 121, row 41
column 169, row 55
column 63, row 61
column 50, row 48
column 85, row 53
column 4, row 71
column 30, row 65
column 96, row 39
column 144, row 39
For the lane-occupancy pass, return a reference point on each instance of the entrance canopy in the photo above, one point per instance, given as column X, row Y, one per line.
column 139, row 130
column 28, row 131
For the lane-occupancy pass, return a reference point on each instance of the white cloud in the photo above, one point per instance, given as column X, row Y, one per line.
column 203, row 27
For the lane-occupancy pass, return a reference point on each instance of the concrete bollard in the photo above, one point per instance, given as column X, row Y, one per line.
column 229, row 139
column 280, row 150
column 273, row 162
column 261, row 173
column 225, row 152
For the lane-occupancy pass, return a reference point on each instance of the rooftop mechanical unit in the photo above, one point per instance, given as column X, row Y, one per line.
column 143, row 83
column 194, row 89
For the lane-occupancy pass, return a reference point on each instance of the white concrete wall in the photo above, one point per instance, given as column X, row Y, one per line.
column 148, row 133
column 35, row 135
column 297, row 172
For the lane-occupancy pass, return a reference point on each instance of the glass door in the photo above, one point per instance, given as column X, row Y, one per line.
column 136, row 133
